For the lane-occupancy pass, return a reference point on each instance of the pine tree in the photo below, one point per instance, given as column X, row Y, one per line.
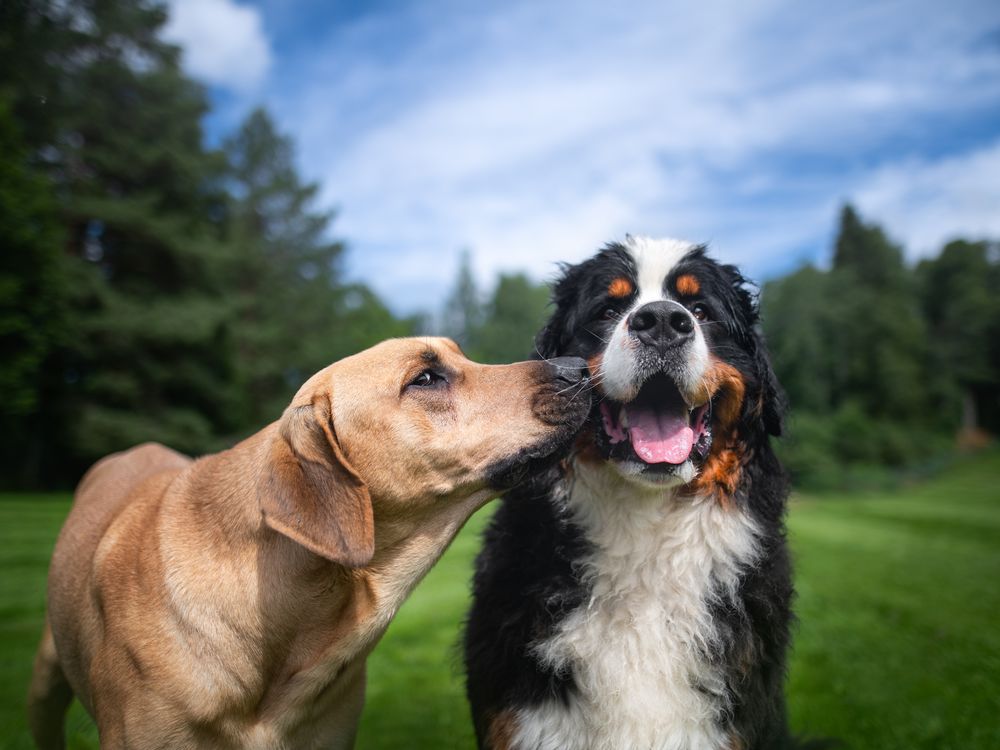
column 463, row 311
column 850, row 347
column 865, row 251
column 799, row 319
column 878, row 334
column 281, row 255
column 961, row 301
column 512, row 317
column 293, row 312
column 33, row 296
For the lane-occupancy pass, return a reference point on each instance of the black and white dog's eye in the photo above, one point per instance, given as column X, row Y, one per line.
column 427, row 379
column 609, row 313
column 699, row 311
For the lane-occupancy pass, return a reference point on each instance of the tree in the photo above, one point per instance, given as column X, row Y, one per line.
column 512, row 317
column 799, row 320
column 284, row 267
column 960, row 297
column 865, row 251
column 878, row 335
column 364, row 321
column 37, row 39
column 144, row 210
column 503, row 328
column 463, row 311
column 853, row 335
column 293, row 313
column 850, row 347
column 32, row 301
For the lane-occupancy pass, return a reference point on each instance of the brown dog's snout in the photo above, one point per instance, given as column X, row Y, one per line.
column 563, row 396
column 568, row 370
column 561, row 402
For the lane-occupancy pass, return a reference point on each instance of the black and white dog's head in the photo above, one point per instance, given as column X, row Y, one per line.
column 683, row 382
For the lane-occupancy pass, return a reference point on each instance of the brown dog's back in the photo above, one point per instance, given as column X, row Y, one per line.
column 104, row 492
column 107, row 483
column 102, row 495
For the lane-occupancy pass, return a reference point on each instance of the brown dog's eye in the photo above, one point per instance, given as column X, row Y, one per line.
column 699, row 311
column 427, row 379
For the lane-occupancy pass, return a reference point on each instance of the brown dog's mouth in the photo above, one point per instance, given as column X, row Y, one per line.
column 657, row 427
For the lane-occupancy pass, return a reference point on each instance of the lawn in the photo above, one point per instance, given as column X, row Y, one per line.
column 898, row 645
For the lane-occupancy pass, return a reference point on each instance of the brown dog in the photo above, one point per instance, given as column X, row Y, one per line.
column 230, row 602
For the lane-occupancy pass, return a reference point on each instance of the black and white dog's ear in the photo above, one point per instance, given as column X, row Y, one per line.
column 741, row 302
column 552, row 339
column 769, row 404
column 771, row 400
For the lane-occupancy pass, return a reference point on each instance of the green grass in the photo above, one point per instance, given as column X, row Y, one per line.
column 899, row 607
column 898, row 645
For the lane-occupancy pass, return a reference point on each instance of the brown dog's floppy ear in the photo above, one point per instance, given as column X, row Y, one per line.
column 311, row 494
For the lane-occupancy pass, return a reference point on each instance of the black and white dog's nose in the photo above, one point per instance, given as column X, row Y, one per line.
column 661, row 325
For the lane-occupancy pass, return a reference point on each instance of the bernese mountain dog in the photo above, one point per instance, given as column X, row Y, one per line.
column 638, row 596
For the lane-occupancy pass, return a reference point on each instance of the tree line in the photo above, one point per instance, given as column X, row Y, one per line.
column 155, row 288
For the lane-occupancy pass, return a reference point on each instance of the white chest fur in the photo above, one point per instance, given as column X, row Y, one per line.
column 637, row 649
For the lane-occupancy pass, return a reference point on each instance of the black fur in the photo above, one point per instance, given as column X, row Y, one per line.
column 527, row 576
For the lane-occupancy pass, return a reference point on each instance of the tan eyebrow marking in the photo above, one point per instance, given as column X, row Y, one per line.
column 620, row 288
column 688, row 285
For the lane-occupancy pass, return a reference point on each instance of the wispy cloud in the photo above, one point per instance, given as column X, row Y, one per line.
column 534, row 132
column 926, row 203
column 224, row 42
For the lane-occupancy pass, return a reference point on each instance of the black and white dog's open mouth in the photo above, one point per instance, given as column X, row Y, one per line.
column 657, row 427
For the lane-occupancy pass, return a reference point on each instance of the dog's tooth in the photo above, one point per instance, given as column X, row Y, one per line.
column 623, row 418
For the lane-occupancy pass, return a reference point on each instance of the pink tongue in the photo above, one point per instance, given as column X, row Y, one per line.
column 660, row 438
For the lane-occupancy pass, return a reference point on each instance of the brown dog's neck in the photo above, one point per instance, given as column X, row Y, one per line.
column 407, row 545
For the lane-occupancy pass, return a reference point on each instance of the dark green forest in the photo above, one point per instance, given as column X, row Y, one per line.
column 888, row 368
column 153, row 287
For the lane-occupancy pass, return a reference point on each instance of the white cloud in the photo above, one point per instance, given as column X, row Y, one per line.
column 224, row 42
column 532, row 134
column 926, row 203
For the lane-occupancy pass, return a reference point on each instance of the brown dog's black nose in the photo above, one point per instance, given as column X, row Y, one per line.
column 570, row 370
column 661, row 325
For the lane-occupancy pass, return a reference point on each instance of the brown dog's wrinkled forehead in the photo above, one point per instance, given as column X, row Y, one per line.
column 399, row 350
column 385, row 363
column 404, row 354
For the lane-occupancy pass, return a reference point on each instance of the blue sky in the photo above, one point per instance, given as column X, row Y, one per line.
column 533, row 132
